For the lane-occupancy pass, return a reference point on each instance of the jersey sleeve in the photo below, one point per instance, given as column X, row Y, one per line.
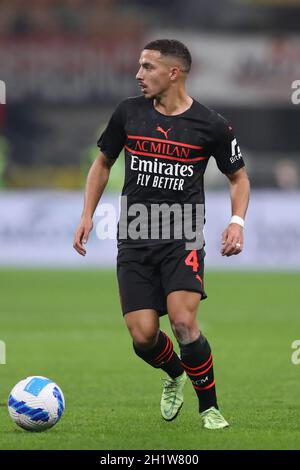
column 112, row 140
column 226, row 149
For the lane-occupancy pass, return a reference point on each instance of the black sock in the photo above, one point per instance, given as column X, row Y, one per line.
column 197, row 361
column 162, row 356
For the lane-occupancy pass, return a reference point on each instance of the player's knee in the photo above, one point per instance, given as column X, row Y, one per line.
column 144, row 339
column 180, row 327
column 185, row 330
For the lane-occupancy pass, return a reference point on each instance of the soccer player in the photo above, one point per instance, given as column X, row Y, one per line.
column 168, row 138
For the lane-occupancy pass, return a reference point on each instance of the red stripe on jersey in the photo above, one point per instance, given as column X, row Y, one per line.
column 154, row 139
column 145, row 154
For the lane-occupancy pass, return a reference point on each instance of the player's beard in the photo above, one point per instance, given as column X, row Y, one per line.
column 154, row 92
column 154, row 95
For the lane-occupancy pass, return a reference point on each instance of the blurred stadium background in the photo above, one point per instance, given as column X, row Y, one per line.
column 66, row 64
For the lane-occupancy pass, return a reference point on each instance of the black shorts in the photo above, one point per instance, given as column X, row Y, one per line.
column 146, row 275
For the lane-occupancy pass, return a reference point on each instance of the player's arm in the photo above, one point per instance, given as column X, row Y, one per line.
column 96, row 181
column 110, row 144
column 233, row 235
column 230, row 162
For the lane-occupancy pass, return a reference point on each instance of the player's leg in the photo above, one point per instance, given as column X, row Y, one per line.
column 194, row 348
column 150, row 343
column 195, row 353
column 182, row 278
column 155, row 347
column 142, row 297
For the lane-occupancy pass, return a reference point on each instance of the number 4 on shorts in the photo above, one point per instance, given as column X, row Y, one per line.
column 192, row 260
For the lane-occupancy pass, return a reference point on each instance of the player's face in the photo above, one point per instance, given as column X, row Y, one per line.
column 154, row 74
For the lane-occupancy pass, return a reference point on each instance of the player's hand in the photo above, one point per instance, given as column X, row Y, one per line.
column 232, row 240
column 82, row 235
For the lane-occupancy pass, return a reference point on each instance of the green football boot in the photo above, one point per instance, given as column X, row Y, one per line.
column 212, row 419
column 172, row 396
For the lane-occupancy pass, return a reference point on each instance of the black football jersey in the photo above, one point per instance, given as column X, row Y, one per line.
column 166, row 156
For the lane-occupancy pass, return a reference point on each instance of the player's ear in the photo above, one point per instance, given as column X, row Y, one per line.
column 174, row 73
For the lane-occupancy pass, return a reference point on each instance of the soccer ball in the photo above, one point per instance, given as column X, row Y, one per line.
column 36, row 403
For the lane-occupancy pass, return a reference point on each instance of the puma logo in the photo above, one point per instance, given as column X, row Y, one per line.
column 165, row 133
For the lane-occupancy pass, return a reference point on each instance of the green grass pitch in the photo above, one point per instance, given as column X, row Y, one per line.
column 67, row 325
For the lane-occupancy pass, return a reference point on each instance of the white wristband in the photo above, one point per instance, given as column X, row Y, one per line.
column 236, row 219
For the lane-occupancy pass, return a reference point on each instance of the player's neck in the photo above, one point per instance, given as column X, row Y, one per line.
column 173, row 103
